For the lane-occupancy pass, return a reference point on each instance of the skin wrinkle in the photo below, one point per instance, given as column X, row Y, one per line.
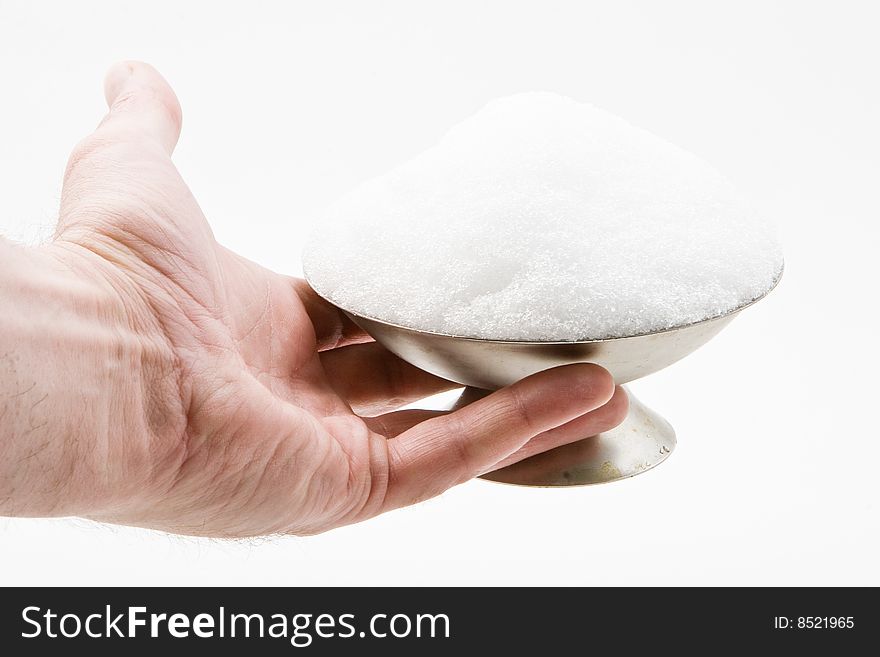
column 358, row 484
column 231, row 450
column 380, row 474
column 254, row 485
column 152, row 383
column 327, row 447
column 521, row 409
column 218, row 391
column 373, row 488
column 459, row 453
column 170, row 275
column 268, row 314
column 275, row 463
column 83, row 153
column 133, row 252
column 226, row 484
column 165, row 331
column 264, row 314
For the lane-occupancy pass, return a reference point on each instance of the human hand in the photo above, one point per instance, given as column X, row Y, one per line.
column 252, row 406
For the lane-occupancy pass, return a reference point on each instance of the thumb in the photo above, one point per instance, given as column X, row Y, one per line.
column 128, row 150
column 142, row 105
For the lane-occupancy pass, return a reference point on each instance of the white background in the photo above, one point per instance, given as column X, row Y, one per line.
column 287, row 105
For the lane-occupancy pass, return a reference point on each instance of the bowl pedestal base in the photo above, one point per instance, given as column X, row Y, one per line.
column 640, row 442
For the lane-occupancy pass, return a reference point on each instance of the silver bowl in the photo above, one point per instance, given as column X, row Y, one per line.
column 643, row 440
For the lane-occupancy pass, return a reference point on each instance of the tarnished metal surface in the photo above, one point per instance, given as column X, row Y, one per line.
column 491, row 364
column 643, row 440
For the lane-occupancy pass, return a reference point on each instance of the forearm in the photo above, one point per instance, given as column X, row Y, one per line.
column 70, row 383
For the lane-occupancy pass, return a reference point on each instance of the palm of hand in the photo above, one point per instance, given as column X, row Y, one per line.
column 250, row 382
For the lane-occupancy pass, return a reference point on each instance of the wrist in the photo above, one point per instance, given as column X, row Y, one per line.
column 78, row 348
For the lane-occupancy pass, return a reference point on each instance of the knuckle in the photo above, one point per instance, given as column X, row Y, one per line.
column 521, row 410
column 460, row 451
column 460, row 454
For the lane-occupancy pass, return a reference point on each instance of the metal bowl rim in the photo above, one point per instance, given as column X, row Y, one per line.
column 437, row 334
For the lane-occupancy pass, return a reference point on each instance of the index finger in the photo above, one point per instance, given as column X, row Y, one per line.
column 442, row 452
